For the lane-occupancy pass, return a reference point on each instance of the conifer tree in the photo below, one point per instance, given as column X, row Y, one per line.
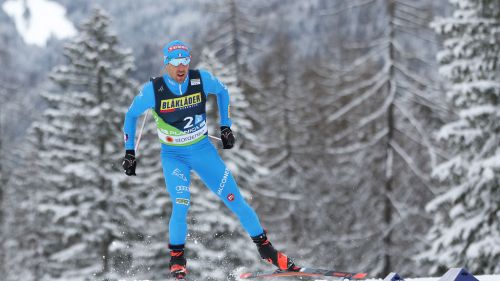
column 87, row 207
column 466, row 231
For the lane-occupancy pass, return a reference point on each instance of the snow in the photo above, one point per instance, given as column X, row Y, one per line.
column 480, row 278
column 38, row 20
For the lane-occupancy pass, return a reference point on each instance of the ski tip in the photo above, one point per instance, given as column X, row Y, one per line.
column 245, row 275
column 359, row 275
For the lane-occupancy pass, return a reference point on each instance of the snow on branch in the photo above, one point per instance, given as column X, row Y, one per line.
column 424, row 136
column 382, row 39
column 408, row 22
column 409, row 5
column 423, row 176
column 478, row 110
column 371, row 55
column 417, row 98
column 366, row 119
column 352, row 5
column 413, row 12
column 361, row 99
column 413, row 76
column 358, row 146
column 267, row 192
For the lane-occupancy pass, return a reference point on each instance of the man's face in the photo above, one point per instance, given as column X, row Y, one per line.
column 178, row 69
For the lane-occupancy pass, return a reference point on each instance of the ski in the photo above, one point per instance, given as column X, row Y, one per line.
column 305, row 272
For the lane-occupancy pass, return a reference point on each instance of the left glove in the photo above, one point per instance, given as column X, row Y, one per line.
column 227, row 137
column 129, row 163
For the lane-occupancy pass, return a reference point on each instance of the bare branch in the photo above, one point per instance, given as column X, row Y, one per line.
column 358, row 146
column 413, row 167
column 365, row 120
column 358, row 101
column 352, row 5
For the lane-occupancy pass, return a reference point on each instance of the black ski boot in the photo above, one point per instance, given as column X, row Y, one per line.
column 271, row 255
column 177, row 262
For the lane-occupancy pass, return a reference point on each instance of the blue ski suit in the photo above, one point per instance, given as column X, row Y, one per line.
column 179, row 111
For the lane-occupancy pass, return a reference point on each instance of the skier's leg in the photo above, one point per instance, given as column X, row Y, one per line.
column 177, row 179
column 213, row 172
column 217, row 177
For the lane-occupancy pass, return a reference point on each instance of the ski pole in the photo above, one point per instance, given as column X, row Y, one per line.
column 140, row 132
column 215, row 138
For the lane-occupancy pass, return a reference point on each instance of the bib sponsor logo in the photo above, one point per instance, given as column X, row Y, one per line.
column 175, row 138
column 170, row 105
column 195, row 82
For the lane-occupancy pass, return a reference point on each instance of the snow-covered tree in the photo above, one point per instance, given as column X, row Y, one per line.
column 87, row 206
column 381, row 111
column 22, row 222
column 466, row 230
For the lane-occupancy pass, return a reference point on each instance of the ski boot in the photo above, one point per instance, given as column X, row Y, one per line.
column 177, row 262
column 271, row 255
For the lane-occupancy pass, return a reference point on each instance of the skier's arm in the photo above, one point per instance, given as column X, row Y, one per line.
column 143, row 101
column 212, row 85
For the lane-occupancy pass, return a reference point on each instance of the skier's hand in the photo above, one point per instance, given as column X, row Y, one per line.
column 227, row 137
column 129, row 163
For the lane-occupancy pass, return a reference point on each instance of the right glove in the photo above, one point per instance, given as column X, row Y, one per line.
column 129, row 163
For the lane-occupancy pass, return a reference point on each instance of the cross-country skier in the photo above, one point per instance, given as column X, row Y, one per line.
column 177, row 100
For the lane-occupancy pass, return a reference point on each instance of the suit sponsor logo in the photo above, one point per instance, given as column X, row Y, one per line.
column 179, row 174
column 182, row 201
column 230, row 197
column 170, row 105
column 182, row 188
column 223, row 182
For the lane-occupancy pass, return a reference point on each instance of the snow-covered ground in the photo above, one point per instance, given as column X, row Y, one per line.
column 479, row 277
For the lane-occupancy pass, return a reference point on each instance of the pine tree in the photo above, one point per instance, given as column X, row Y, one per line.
column 87, row 208
column 381, row 112
column 466, row 231
column 23, row 221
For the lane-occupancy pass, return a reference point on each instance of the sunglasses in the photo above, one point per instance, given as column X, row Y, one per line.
column 179, row 61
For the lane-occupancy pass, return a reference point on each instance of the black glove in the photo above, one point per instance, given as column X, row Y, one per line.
column 129, row 163
column 227, row 137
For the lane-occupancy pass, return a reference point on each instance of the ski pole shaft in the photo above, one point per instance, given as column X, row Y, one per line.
column 215, row 138
column 140, row 132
